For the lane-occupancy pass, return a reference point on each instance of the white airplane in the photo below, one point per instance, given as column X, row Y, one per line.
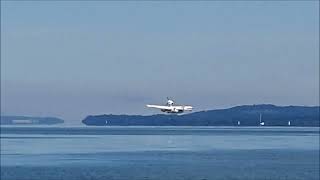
column 170, row 107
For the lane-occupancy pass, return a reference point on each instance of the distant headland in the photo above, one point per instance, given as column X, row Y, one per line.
column 245, row 115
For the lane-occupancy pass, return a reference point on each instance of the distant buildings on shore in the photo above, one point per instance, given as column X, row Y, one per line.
column 24, row 120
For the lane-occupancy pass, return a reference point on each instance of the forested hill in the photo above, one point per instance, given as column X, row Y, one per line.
column 246, row 115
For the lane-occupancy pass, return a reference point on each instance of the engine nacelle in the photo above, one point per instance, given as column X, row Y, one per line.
column 175, row 110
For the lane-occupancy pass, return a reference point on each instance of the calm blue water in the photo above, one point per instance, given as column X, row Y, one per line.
column 32, row 153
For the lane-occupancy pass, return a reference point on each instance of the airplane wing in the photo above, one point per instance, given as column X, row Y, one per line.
column 159, row 107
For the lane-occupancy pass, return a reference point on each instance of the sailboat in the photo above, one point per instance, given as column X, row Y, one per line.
column 261, row 122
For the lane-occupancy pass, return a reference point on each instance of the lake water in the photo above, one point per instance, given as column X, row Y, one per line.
column 159, row 153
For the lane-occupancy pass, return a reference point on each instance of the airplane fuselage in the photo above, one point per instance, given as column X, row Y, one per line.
column 172, row 109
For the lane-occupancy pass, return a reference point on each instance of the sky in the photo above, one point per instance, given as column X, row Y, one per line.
column 78, row 58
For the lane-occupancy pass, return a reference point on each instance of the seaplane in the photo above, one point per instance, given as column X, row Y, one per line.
column 170, row 107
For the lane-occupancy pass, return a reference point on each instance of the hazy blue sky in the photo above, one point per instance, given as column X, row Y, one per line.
column 72, row 59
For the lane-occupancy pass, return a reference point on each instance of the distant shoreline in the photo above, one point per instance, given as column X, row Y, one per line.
column 156, row 130
column 246, row 115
